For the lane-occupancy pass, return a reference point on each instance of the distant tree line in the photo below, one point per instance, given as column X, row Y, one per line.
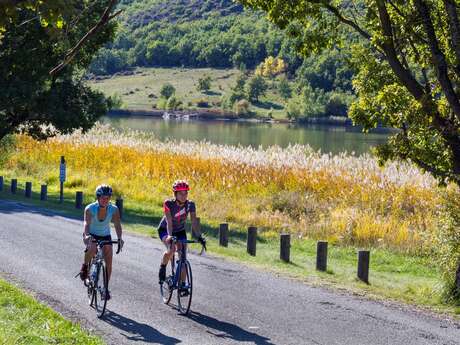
column 322, row 82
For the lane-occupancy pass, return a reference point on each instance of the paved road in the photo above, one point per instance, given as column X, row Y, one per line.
column 232, row 303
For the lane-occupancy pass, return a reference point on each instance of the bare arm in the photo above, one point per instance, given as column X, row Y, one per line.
column 117, row 222
column 169, row 222
column 195, row 225
column 86, row 223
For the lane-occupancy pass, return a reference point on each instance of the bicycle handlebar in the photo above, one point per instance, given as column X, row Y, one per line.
column 102, row 243
column 203, row 245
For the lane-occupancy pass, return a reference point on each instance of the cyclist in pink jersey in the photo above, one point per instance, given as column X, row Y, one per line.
column 172, row 224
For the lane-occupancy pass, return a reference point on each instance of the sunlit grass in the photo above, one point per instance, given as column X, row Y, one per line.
column 25, row 321
column 345, row 199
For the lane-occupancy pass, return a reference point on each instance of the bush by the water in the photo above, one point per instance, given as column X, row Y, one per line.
column 447, row 251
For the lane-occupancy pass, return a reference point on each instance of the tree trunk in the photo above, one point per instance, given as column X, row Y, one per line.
column 457, row 280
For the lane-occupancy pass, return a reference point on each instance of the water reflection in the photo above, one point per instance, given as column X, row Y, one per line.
column 332, row 139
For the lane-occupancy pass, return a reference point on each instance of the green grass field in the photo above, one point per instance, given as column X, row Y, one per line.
column 25, row 321
column 395, row 276
column 135, row 89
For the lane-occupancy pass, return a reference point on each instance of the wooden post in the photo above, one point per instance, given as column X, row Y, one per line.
column 223, row 235
column 28, row 192
column 321, row 256
column 285, row 247
column 363, row 265
column 119, row 203
column 62, row 173
column 44, row 192
column 252, row 240
column 79, row 199
column 1, row 183
column 14, row 185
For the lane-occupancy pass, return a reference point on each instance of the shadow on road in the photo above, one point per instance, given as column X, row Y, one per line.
column 67, row 210
column 138, row 331
column 228, row 330
column 17, row 206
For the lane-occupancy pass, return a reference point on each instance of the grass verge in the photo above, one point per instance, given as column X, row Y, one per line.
column 25, row 321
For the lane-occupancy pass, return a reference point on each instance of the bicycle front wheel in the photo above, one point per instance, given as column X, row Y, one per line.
column 100, row 289
column 90, row 287
column 184, row 292
column 166, row 288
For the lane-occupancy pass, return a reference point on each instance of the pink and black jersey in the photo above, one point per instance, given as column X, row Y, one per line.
column 179, row 214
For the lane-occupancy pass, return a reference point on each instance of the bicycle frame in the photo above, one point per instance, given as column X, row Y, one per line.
column 174, row 281
column 182, row 259
column 99, row 257
column 94, row 285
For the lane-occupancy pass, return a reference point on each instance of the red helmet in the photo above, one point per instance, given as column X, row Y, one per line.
column 180, row 185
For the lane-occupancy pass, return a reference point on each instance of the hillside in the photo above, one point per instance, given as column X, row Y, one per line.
column 222, row 35
column 138, row 13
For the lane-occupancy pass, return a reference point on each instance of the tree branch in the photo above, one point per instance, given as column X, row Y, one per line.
column 339, row 16
column 438, row 57
column 454, row 27
column 404, row 75
column 105, row 18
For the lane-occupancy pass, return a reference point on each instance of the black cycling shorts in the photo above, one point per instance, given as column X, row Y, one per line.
column 102, row 238
column 180, row 235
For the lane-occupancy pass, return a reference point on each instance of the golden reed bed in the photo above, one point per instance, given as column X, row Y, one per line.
column 343, row 198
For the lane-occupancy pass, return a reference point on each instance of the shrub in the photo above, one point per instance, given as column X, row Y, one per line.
column 284, row 89
column 7, row 145
column 241, row 108
column 204, row 84
column 294, row 109
column 161, row 104
column 173, row 103
column 256, row 87
column 167, row 90
column 115, row 101
column 448, row 245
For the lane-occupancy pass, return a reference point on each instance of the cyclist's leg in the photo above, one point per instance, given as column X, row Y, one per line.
column 108, row 255
column 167, row 255
column 162, row 233
column 90, row 251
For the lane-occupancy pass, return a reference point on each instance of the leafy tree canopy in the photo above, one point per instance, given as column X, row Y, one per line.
column 407, row 58
column 36, row 37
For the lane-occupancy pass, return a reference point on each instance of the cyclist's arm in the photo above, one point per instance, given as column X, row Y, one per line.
column 86, row 222
column 117, row 223
column 169, row 222
column 195, row 226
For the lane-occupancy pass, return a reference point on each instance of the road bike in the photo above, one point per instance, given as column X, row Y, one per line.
column 173, row 281
column 97, row 282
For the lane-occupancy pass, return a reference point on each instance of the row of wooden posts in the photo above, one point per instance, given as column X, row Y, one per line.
column 285, row 251
column 285, row 239
column 44, row 193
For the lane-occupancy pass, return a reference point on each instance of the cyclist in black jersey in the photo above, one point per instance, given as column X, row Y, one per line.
column 172, row 224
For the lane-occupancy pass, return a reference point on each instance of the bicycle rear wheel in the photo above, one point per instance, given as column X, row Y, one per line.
column 100, row 290
column 185, row 289
column 166, row 288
